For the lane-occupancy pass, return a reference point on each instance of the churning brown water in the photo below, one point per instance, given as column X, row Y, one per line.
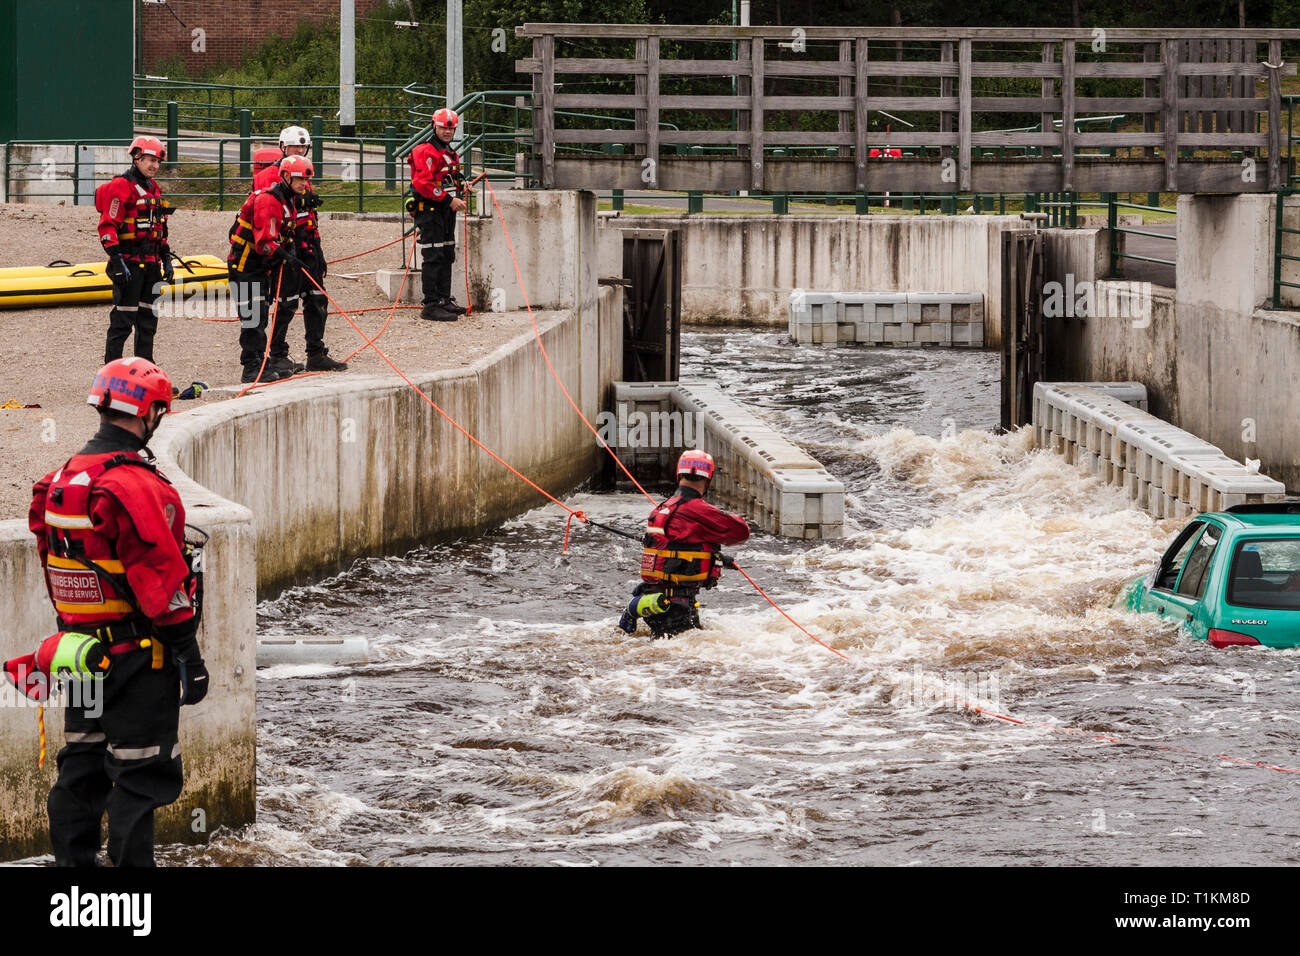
column 504, row 719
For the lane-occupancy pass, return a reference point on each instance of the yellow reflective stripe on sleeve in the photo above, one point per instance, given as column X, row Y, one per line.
column 110, row 565
column 67, row 521
column 243, row 222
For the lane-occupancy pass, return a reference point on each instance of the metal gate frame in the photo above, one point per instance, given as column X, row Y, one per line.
column 652, row 305
column 1024, row 345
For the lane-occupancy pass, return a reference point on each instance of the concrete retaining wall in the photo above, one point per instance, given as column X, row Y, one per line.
column 741, row 269
column 323, row 470
column 54, row 174
column 1215, row 359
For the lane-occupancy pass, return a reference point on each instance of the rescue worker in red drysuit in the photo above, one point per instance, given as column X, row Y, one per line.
column 261, row 245
column 295, row 285
column 111, row 535
column 681, row 556
column 133, row 232
column 437, row 181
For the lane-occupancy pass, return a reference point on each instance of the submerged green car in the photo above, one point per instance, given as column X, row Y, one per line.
column 1229, row 577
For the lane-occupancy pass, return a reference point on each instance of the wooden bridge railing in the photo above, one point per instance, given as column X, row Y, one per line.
column 1205, row 94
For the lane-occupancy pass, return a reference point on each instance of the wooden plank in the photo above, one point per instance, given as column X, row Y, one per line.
column 905, row 175
column 910, row 68
column 1118, row 139
column 808, row 102
column 1006, row 34
column 1017, row 140
column 1016, row 69
column 743, row 88
column 536, row 157
column 652, row 108
column 926, row 104
column 846, row 92
column 1048, row 105
column 1236, row 88
column 711, row 103
column 1048, row 114
column 1067, row 115
column 576, row 64
column 1223, row 55
column 626, row 136
column 639, row 86
column 1118, row 104
column 1252, row 104
column 756, row 116
column 896, row 138
column 1190, row 52
column 598, row 100
column 1275, row 116
column 807, row 67
column 695, row 137
column 545, row 115
column 697, row 67
column 1150, row 92
column 1222, row 140
column 861, row 115
column 1169, row 113
column 947, row 88
column 963, row 114
column 1227, row 69
column 1139, row 70
column 801, row 137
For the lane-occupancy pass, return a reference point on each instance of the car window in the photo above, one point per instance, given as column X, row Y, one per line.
column 1172, row 563
column 1265, row 573
column 1192, row 583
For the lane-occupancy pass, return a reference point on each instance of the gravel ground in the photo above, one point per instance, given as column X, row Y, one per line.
column 54, row 353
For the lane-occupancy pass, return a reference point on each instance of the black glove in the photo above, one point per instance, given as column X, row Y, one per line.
column 727, row 562
column 283, row 254
column 168, row 273
column 117, row 269
column 185, row 652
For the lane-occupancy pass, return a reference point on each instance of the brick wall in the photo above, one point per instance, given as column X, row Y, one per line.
column 231, row 27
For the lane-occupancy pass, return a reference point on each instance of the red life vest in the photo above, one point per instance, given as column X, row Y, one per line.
column 85, row 579
column 251, row 226
column 132, row 216
column 666, row 561
column 435, row 174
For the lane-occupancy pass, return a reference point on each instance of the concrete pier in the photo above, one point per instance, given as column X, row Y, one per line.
column 759, row 474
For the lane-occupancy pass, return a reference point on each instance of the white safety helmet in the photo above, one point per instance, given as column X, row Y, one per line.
column 294, row 136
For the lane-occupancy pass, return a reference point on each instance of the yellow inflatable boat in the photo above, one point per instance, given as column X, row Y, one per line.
column 61, row 283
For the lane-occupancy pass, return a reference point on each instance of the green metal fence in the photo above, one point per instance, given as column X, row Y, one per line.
column 215, row 107
column 353, row 174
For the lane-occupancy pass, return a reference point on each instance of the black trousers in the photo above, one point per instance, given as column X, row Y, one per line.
column 296, row 288
column 437, row 242
column 126, row 761
column 252, row 292
column 133, row 311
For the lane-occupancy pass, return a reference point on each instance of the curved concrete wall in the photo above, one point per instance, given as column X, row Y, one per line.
column 740, row 269
column 324, row 471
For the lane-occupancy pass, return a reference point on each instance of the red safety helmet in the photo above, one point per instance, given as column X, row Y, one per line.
column 447, row 118
column 147, row 146
column 695, row 464
column 266, row 156
column 296, row 166
column 130, row 385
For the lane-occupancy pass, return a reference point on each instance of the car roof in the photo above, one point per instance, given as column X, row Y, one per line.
column 1256, row 521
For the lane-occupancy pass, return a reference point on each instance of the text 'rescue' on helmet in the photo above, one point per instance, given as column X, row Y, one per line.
column 130, row 386
column 695, row 464
column 147, row 146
